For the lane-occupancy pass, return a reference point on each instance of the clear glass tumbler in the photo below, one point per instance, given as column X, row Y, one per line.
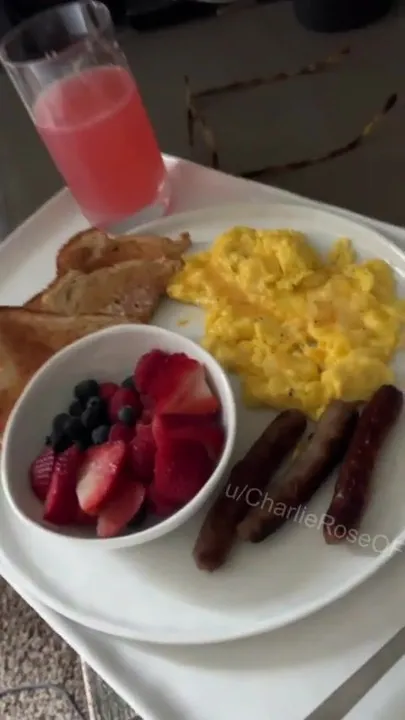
column 75, row 82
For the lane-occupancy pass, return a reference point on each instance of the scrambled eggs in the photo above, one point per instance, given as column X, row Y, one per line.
column 299, row 330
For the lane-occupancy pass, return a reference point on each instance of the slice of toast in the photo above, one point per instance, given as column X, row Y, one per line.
column 93, row 249
column 28, row 339
column 131, row 289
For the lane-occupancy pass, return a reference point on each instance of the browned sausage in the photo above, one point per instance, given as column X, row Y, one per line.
column 353, row 485
column 305, row 475
column 218, row 531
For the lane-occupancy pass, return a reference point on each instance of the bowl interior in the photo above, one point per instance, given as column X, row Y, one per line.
column 107, row 355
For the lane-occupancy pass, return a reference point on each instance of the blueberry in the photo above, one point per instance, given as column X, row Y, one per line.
column 75, row 408
column 101, row 406
column 59, row 422
column 94, row 401
column 74, row 429
column 93, row 416
column 100, row 434
column 84, row 442
column 128, row 383
column 127, row 415
column 86, row 389
column 59, row 441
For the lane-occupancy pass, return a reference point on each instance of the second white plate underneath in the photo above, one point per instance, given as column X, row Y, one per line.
column 155, row 593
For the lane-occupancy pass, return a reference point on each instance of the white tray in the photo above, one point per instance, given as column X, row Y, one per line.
column 286, row 674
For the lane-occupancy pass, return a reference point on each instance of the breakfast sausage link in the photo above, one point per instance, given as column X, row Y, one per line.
column 305, row 475
column 354, row 482
column 218, row 531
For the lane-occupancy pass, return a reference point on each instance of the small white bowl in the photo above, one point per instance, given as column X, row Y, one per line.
column 110, row 354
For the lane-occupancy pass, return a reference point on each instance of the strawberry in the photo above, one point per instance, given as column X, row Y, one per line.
column 107, row 390
column 182, row 388
column 157, row 505
column 176, row 369
column 100, row 476
column 142, row 450
column 41, row 473
column 174, row 427
column 83, row 519
column 119, row 431
column 124, row 397
column 142, row 514
column 147, row 369
column 181, row 469
column 174, row 384
column 61, row 506
column 116, row 515
column 147, row 415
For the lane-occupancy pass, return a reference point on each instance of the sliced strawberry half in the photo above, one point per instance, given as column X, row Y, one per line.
column 181, row 469
column 148, row 368
column 183, row 388
column 100, row 476
column 173, row 427
column 122, row 509
column 141, row 453
column 61, row 506
column 41, row 473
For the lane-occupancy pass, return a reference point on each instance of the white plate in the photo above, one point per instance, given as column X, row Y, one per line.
column 155, row 593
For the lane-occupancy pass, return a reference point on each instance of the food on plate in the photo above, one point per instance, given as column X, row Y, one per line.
column 175, row 384
column 121, row 452
column 114, row 285
column 131, row 289
column 102, row 281
column 97, row 412
column 100, row 477
column 122, row 510
column 318, row 458
column 353, row 486
column 61, row 505
column 248, row 477
column 41, row 473
column 93, row 249
column 299, row 329
column 28, row 339
column 182, row 467
column 142, row 451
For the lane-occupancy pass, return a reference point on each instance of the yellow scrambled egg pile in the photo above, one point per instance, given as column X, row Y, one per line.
column 298, row 329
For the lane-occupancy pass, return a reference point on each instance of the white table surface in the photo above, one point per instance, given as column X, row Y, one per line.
column 280, row 676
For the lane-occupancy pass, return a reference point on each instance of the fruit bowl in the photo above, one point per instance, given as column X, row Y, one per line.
column 89, row 367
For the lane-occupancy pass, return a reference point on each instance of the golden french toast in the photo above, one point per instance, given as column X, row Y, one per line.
column 131, row 289
column 93, row 249
column 28, row 339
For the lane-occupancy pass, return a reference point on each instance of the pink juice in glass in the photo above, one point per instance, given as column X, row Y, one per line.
column 100, row 138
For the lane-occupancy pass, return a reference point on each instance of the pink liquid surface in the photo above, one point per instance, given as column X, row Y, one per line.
column 100, row 138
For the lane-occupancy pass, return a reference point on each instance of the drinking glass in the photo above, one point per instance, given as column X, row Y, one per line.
column 74, row 80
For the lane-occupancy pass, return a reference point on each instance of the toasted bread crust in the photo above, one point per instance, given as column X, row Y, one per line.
column 29, row 338
column 92, row 249
column 35, row 303
column 130, row 288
